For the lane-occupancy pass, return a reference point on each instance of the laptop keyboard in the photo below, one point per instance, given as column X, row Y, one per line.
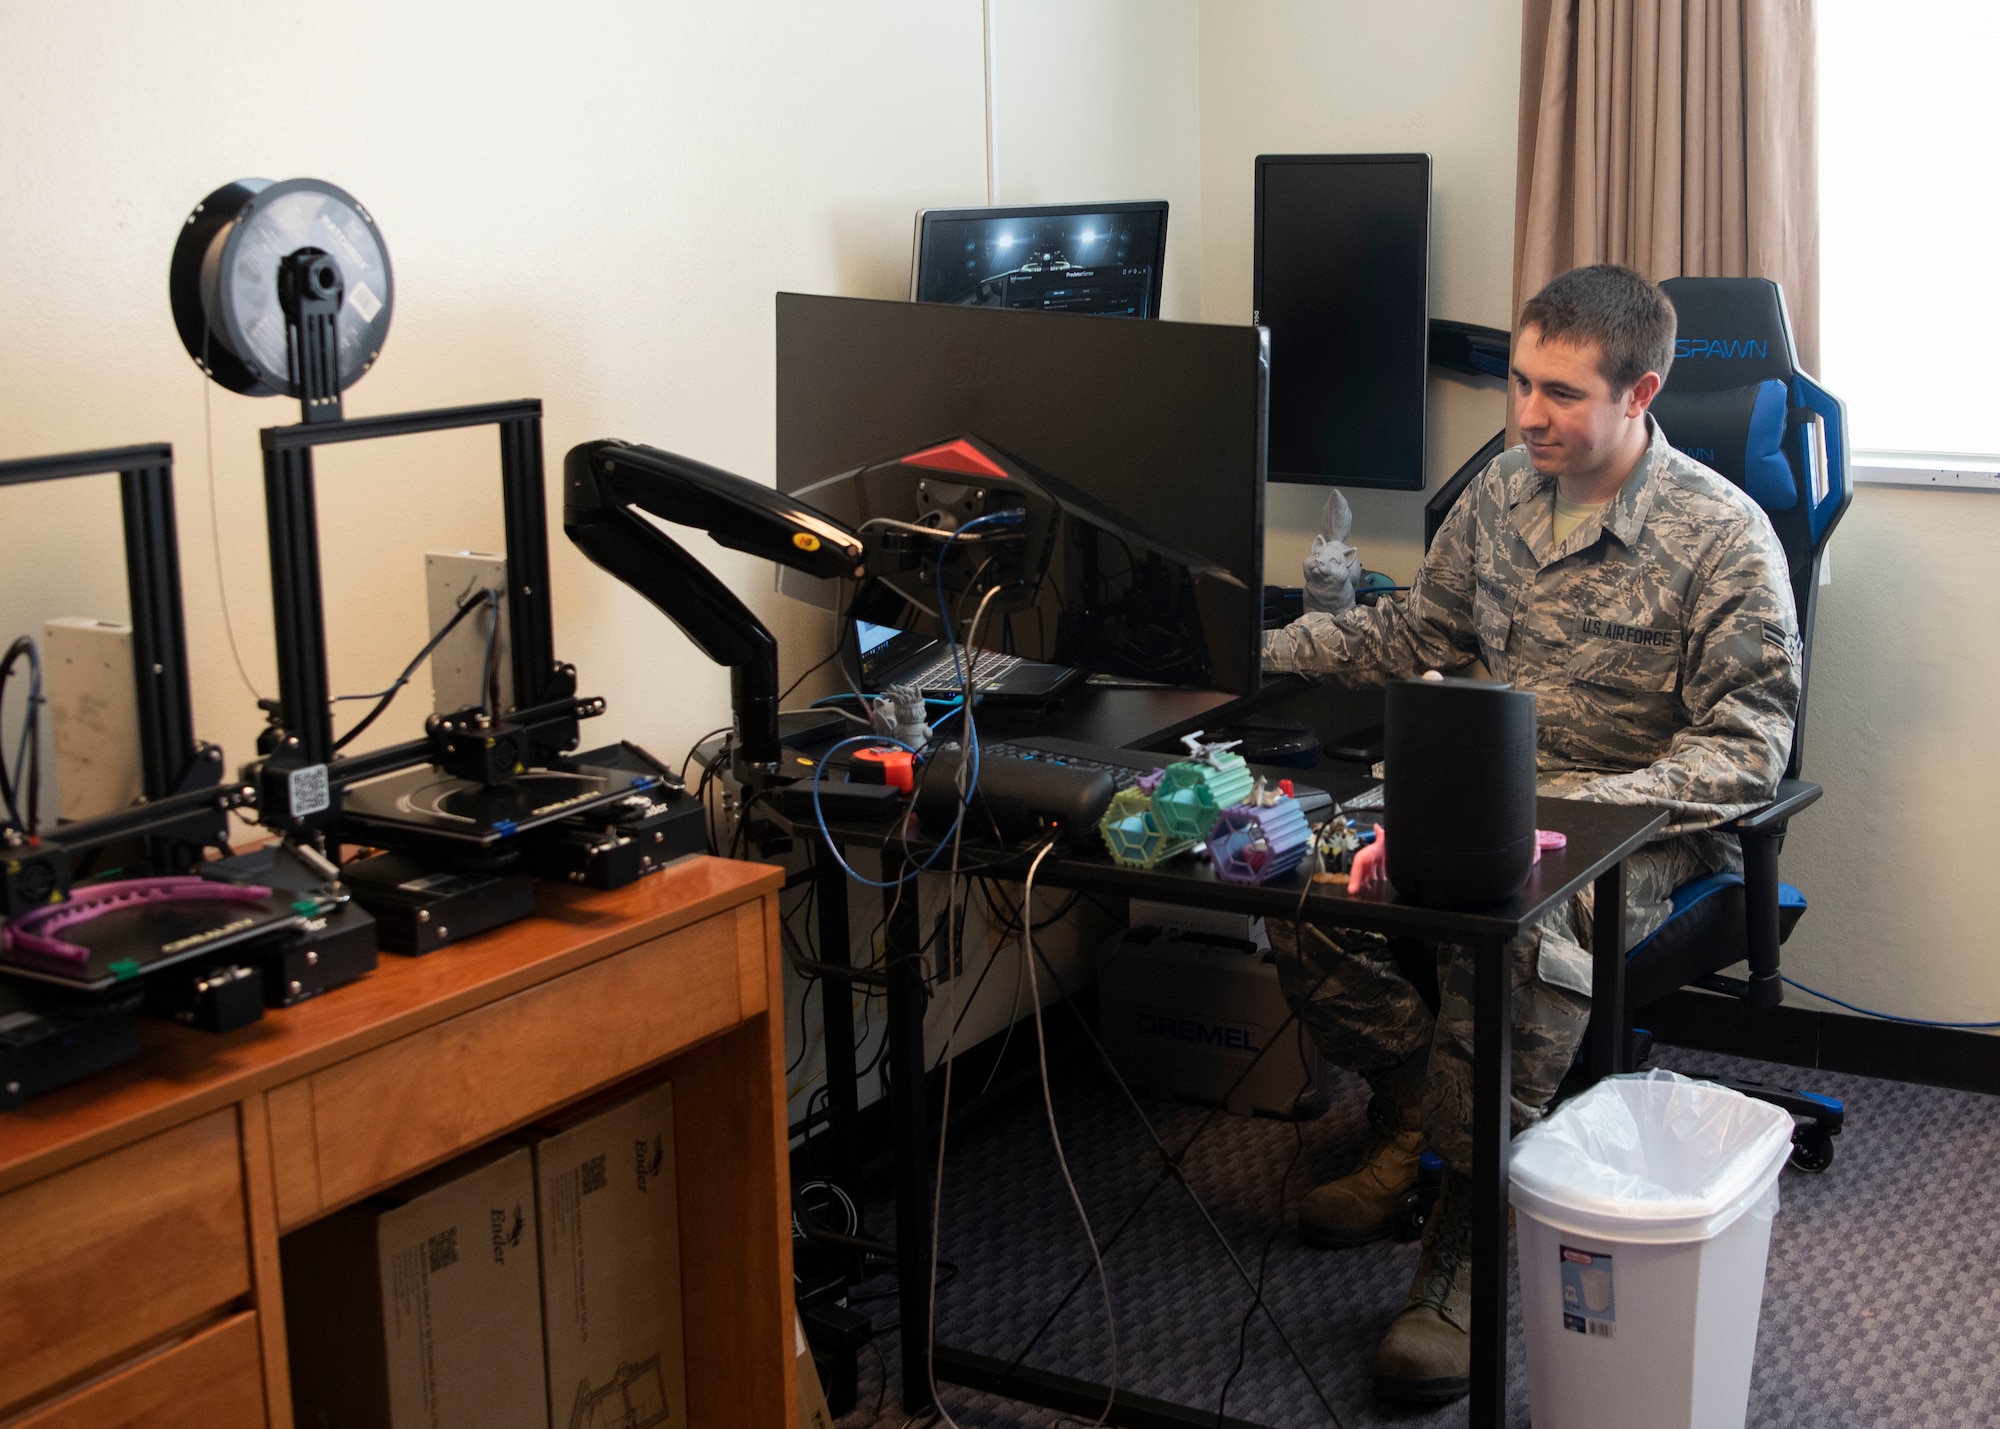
column 942, row 673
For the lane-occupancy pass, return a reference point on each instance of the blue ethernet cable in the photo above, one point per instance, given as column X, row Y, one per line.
column 1885, row 1016
column 1012, row 517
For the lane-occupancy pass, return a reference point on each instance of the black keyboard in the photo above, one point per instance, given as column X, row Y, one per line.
column 1128, row 766
column 1125, row 766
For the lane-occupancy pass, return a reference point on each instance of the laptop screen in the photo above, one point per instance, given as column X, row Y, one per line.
column 873, row 637
column 882, row 650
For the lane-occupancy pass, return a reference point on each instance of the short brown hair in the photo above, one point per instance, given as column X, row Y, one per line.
column 1629, row 318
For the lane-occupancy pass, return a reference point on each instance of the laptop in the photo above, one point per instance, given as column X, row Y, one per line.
column 889, row 656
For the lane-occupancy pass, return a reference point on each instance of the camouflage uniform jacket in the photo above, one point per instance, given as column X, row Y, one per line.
column 1659, row 640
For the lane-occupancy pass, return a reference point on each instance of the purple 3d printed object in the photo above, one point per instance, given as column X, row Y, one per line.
column 31, row 938
column 1255, row 843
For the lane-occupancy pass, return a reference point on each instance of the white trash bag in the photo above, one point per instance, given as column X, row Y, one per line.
column 1644, row 1223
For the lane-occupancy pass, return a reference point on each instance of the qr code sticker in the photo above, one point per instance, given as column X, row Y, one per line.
column 310, row 791
column 444, row 1249
column 594, row 1175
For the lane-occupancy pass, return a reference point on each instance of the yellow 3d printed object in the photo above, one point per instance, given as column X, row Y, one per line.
column 1132, row 831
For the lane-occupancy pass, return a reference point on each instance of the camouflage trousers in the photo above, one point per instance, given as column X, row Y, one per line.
column 1350, row 992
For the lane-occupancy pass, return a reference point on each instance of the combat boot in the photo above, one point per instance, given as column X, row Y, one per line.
column 1362, row 1206
column 1426, row 1357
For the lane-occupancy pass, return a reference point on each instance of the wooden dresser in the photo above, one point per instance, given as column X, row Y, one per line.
column 140, row 1210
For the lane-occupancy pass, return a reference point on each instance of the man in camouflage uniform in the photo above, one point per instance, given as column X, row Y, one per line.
column 1645, row 602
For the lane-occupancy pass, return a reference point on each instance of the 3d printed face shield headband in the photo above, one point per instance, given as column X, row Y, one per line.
column 31, row 937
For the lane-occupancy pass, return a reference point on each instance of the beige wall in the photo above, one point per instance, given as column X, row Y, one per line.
column 1348, row 76
column 1898, row 858
column 588, row 204
column 1100, row 101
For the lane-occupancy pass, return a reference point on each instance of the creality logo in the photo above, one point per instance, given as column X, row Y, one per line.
column 1223, row 1036
column 507, row 1231
column 647, row 1158
column 1720, row 347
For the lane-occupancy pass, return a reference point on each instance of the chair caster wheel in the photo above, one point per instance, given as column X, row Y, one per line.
column 1420, row 1200
column 1812, row 1149
column 1410, row 1217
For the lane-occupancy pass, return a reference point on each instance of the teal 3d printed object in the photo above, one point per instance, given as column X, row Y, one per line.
column 1194, row 791
column 1255, row 843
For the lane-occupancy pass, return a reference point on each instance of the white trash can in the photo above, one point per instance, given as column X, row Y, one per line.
column 1644, row 1219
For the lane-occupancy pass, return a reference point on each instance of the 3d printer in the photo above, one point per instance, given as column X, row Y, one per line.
column 287, row 289
column 117, row 907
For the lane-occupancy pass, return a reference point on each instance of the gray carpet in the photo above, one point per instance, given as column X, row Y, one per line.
column 1879, row 1305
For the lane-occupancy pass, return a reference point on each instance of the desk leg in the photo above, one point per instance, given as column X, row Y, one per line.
column 910, row 1132
column 1492, row 1124
column 836, row 1010
column 1609, row 1038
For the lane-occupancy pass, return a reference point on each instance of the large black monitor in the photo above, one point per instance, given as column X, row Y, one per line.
column 1159, row 423
column 1101, row 258
column 1341, row 280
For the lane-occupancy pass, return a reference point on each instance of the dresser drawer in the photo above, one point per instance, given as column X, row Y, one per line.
column 376, row 1118
column 214, row 1379
column 104, row 1257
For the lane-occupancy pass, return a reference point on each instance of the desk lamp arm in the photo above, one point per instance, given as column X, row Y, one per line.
column 606, row 484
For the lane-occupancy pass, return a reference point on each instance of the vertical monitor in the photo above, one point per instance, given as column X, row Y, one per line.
column 1101, row 258
column 1341, row 280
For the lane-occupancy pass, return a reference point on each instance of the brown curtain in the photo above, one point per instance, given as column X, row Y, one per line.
column 1676, row 136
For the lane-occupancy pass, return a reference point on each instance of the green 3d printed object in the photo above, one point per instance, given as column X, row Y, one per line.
column 1194, row 791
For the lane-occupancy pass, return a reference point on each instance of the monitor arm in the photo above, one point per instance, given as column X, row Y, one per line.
column 606, row 484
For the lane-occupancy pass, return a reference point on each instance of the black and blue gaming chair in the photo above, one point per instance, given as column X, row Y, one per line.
column 1736, row 401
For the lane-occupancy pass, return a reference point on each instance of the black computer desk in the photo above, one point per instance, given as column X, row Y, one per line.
column 1141, row 717
column 1600, row 837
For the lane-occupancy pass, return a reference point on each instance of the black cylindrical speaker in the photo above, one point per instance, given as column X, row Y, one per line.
column 1458, row 791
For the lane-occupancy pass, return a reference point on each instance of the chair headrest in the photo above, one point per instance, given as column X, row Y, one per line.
column 1739, row 433
column 1731, row 332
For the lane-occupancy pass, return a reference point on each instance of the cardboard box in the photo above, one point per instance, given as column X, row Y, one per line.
column 813, row 1413
column 611, row 1265
column 421, row 1308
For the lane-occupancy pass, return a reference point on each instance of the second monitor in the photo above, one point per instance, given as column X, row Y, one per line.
column 1341, row 276
column 1101, row 258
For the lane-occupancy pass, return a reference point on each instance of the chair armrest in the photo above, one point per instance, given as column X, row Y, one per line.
column 1792, row 796
column 1763, row 833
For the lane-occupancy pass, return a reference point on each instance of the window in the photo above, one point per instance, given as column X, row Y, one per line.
column 1910, row 224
